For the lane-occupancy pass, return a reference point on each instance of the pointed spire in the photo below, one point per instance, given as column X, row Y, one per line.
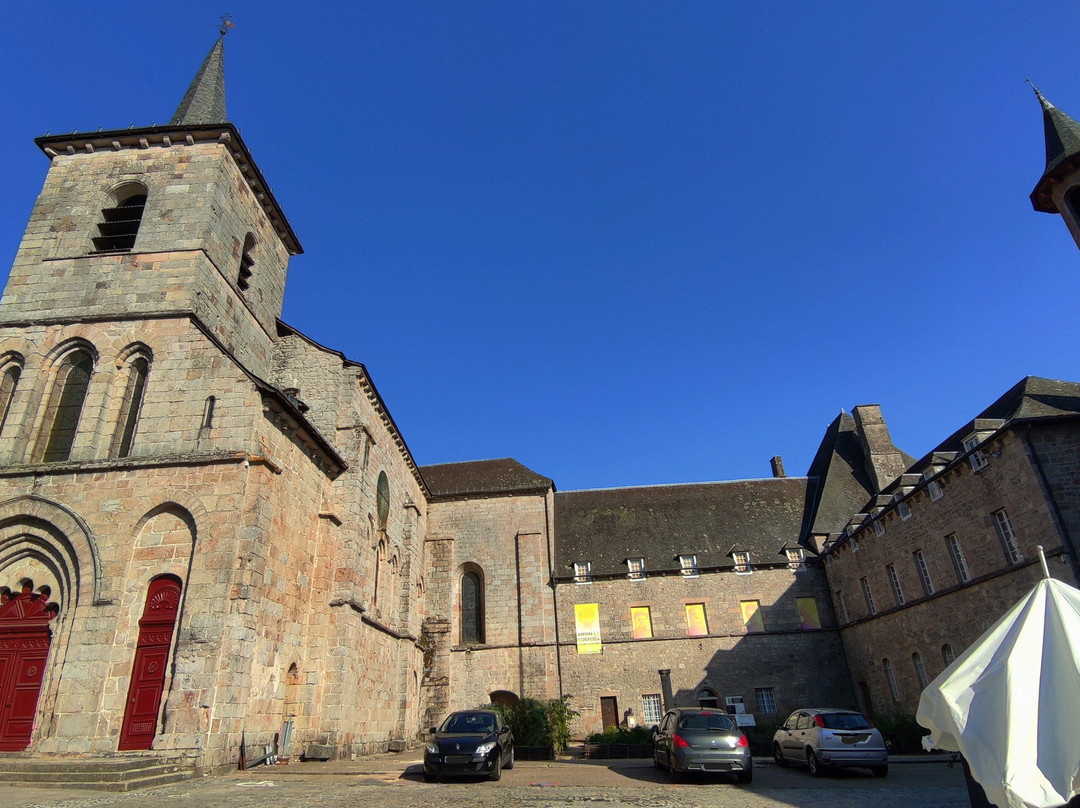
column 1062, row 132
column 204, row 101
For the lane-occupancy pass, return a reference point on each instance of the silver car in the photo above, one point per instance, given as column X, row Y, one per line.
column 821, row 737
column 698, row 740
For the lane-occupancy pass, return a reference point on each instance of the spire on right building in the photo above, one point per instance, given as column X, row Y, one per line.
column 1058, row 190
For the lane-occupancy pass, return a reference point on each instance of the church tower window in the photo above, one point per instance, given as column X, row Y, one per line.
column 66, row 403
column 247, row 261
column 9, row 380
column 134, row 387
column 472, row 607
column 119, row 224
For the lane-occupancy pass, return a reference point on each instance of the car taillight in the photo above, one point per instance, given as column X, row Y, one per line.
column 678, row 740
column 742, row 741
column 819, row 721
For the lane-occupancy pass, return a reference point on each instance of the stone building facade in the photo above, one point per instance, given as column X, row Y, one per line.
column 212, row 532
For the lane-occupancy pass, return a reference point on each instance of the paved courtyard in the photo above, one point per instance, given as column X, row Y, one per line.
column 396, row 781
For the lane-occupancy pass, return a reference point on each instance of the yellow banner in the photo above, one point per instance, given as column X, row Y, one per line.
column 587, row 617
column 808, row 614
column 751, row 615
column 695, row 620
column 642, row 622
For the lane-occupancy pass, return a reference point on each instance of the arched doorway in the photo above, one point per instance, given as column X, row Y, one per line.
column 24, row 649
column 151, row 659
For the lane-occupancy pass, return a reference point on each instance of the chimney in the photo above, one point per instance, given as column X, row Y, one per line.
column 884, row 462
column 778, row 466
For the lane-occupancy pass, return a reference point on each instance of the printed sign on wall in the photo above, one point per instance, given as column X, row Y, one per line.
column 642, row 622
column 587, row 618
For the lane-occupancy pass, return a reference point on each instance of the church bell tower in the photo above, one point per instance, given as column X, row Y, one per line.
column 1058, row 191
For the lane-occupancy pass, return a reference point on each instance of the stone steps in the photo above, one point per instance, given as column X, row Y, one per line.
column 100, row 774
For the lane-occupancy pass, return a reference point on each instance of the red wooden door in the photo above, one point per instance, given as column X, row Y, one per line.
column 24, row 649
column 148, row 671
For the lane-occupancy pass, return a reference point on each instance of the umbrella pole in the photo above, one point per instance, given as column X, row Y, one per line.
column 1042, row 560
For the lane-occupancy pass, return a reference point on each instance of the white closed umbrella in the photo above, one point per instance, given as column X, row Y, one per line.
column 1010, row 704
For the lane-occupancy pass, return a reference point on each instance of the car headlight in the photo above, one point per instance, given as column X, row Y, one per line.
column 433, row 749
column 483, row 749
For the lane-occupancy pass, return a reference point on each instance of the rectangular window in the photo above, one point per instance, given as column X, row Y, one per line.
column 742, row 563
column 636, row 568
column 894, row 582
column 879, row 528
column 752, row 617
column 641, row 620
column 696, row 625
column 808, row 613
column 868, row 596
column 583, row 572
column 904, row 511
column 959, row 563
column 976, row 458
column 796, row 559
column 651, row 709
column 1007, row 536
column 843, row 606
column 935, row 490
column 766, row 701
column 924, row 572
column 688, row 565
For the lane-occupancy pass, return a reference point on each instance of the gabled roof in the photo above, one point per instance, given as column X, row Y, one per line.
column 840, row 479
column 1062, row 135
column 483, row 478
column 660, row 523
column 204, row 101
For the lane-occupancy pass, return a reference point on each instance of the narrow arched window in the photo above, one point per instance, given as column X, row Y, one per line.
column 208, row 412
column 472, row 608
column 947, row 654
column 119, row 224
column 920, row 669
column 66, row 403
column 9, row 380
column 890, row 679
column 130, row 405
column 247, row 263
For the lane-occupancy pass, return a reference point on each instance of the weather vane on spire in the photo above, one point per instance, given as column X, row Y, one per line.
column 226, row 24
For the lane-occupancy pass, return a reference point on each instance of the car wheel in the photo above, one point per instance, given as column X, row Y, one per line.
column 510, row 763
column 496, row 771
column 430, row 778
column 816, row 768
column 880, row 771
column 778, row 755
column 745, row 777
column 674, row 774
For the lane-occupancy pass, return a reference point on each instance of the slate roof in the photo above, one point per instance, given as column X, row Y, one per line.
column 840, row 480
column 204, row 101
column 482, row 478
column 659, row 523
column 1062, row 135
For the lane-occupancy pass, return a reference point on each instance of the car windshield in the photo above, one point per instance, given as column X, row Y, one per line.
column 706, row 721
column 469, row 722
column 845, row 721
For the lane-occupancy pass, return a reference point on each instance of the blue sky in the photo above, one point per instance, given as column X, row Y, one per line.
column 624, row 242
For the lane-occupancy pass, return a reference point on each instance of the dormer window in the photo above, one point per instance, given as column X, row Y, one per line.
column 796, row 559
column 975, row 459
column 879, row 528
column 742, row 563
column 935, row 490
column 636, row 569
column 119, row 224
column 688, row 566
column 904, row 511
column 583, row 572
column 247, row 263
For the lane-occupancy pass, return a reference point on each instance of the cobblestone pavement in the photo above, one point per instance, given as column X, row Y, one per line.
column 397, row 782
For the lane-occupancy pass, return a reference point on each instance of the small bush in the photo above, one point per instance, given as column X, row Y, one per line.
column 615, row 734
column 539, row 723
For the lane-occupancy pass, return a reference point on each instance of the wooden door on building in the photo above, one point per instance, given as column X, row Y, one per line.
column 151, row 660
column 609, row 711
column 24, row 650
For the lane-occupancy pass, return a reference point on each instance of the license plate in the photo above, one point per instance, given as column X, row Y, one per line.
column 849, row 739
column 458, row 760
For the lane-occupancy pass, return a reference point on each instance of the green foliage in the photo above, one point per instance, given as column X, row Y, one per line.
column 615, row 734
column 539, row 723
column 902, row 734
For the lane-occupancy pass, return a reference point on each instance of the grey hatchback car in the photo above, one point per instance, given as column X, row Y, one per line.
column 823, row 736
column 698, row 740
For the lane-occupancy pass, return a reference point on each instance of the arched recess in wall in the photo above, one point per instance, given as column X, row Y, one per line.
column 11, row 367
column 707, row 697
column 504, row 697
column 68, row 385
column 471, row 616
column 120, row 219
column 133, row 370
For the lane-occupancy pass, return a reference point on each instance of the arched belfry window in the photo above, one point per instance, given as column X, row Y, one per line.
column 472, row 606
column 66, row 404
column 9, row 380
column 247, row 263
column 130, row 404
column 119, row 224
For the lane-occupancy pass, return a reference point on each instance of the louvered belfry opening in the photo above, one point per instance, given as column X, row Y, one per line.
column 247, row 262
column 119, row 225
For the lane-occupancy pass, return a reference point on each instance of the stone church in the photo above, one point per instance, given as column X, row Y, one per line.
column 212, row 533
